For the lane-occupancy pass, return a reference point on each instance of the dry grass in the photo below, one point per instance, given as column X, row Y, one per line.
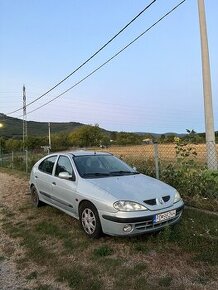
column 51, row 251
column 167, row 152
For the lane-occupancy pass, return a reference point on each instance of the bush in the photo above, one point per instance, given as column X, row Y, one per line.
column 198, row 186
column 210, row 178
column 144, row 166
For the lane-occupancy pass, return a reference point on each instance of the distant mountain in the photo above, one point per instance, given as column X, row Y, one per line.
column 158, row 135
column 13, row 127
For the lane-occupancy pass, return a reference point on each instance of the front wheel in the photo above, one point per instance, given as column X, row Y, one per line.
column 89, row 220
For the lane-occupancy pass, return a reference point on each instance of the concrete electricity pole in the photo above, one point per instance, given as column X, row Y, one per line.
column 208, row 106
column 49, row 137
column 24, row 117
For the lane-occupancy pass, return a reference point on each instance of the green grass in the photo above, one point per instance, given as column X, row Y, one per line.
column 103, row 251
column 15, row 172
column 43, row 287
column 165, row 281
column 50, row 229
column 2, row 258
column 198, row 234
column 54, row 240
column 32, row 275
column 79, row 278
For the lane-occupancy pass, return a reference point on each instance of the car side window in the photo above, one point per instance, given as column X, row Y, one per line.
column 63, row 165
column 47, row 164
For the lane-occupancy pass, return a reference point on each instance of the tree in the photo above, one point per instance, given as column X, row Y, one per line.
column 193, row 137
column 60, row 141
column 124, row 138
column 34, row 142
column 162, row 138
column 87, row 135
column 13, row 145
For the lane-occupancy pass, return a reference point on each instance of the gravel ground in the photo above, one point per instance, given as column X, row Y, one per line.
column 14, row 193
column 10, row 277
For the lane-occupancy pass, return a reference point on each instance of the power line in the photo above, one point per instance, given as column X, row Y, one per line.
column 85, row 62
column 110, row 59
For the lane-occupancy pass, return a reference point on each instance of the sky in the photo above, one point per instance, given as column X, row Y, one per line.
column 153, row 86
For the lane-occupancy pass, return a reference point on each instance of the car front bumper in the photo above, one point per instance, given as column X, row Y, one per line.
column 139, row 222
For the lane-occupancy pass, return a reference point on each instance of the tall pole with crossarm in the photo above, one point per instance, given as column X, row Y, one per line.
column 208, row 106
column 24, row 117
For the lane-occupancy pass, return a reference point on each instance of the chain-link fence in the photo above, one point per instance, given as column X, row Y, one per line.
column 20, row 160
column 184, row 166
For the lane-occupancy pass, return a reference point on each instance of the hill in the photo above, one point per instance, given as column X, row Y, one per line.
column 13, row 127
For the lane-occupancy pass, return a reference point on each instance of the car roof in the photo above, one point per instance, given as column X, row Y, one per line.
column 85, row 153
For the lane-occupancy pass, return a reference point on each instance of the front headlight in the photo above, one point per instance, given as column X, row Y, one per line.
column 125, row 205
column 177, row 197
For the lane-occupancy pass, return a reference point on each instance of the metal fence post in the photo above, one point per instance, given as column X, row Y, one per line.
column 1, row 156
column 26, row 161
column 12, row 159
column 156, row 160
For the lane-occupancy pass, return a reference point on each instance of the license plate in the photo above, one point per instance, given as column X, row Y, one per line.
column 164, row 216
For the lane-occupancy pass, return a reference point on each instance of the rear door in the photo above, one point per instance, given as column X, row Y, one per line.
column 44, row 177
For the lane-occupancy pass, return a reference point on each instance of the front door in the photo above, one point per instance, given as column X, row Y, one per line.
column 64, row 191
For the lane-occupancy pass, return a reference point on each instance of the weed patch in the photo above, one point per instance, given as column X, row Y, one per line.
column 32, row 275
column 2, row 258
column 165, row 281
column 78, row 279
column 103, row 251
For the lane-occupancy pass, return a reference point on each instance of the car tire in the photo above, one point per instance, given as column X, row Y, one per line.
column 35, row 197
column 89, row 220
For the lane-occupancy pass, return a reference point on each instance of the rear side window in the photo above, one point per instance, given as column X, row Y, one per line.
column 47, row 164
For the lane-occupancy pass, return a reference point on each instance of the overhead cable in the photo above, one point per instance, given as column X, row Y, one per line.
column 85, row 62
column 111, row 58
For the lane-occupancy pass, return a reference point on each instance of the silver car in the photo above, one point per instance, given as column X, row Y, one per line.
column 104, row 193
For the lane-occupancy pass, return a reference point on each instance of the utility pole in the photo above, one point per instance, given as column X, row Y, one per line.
column 49, row 137
column 25, row 128
column 24, row 117
column 208, row 106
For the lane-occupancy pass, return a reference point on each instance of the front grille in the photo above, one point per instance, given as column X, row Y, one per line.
column 149, row 224
column 150, row 201
column 166, row 198
column 153, row 201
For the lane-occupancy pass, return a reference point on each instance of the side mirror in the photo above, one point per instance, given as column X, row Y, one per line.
column 66, row 176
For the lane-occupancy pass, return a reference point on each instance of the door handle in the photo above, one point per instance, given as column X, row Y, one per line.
column 54, row 183
column 36, row 176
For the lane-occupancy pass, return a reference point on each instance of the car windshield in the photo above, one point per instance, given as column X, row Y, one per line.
column 95, row 166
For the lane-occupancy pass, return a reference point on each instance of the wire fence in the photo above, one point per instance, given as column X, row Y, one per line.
column 184, row 166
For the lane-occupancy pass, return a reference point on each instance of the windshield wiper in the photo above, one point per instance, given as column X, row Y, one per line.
column 123, row 172
column 96, row 174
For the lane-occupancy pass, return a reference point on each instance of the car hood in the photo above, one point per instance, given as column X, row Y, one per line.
column 139, row 188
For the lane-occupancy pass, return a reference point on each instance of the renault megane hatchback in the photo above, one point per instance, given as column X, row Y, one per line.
column 104, row 193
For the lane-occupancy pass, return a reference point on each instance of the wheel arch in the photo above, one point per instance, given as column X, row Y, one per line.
column 85, row 201
column 31, row 185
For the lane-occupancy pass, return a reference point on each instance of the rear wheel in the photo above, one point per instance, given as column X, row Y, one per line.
column 89, row 220
column 35, row 197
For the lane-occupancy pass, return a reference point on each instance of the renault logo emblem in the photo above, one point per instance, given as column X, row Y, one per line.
column 160, row 200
